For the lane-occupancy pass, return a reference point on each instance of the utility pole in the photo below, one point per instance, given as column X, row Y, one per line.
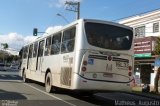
column 73, row 6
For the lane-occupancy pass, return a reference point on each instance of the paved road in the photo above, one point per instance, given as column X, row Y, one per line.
column 16, row 92
column 12, row 88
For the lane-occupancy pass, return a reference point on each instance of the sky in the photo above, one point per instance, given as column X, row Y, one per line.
column 19, row 17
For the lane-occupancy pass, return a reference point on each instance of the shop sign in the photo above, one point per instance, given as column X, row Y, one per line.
column 144, row 47
column 143, row 55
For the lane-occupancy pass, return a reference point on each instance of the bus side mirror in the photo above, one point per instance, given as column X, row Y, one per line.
column 35, row 31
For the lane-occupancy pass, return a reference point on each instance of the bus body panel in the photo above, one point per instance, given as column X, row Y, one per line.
column 105, row 76
column 67, row 69
column 115, row 69
column 52, row 63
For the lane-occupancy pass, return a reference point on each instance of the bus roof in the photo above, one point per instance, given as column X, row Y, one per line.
column 81, row 20
column 107, row 22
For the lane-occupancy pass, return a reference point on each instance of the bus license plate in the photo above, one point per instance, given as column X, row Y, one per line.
column 110, row 75
column 121, row 64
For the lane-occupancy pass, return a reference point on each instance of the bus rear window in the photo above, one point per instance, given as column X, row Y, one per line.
column 108, row 36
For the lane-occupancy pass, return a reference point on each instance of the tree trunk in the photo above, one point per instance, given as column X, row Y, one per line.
column 156, row 81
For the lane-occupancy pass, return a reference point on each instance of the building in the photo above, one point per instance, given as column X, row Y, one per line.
column 146, row 29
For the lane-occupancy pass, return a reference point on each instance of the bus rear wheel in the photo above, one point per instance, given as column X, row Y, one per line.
column 48, row 82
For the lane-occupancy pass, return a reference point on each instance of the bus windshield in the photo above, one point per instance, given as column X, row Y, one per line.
column 108, row 36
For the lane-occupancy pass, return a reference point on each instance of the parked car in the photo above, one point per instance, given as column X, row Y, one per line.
column 2, row 67
column 14, row 67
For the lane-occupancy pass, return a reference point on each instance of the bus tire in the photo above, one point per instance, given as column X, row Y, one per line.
column 48, row 82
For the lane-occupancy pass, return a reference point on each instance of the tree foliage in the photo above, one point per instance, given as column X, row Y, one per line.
column 157, row 47
column 8, row 58
column 5, row 45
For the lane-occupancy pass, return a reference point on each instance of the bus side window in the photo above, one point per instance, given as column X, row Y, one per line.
column 21, row 53
column 30, row 51
column 68, row 40
column 56, row 41
column 48, row 46
column 41, row 48
column 35, row 49
column 25, row 52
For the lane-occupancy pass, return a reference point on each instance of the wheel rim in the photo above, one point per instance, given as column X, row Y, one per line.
column 24, row 77
column 48, row 83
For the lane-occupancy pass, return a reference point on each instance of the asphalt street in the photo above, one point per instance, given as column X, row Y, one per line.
column 13, row 92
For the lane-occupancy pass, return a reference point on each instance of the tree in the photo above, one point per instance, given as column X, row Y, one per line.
column 157, row 52
column 5, row 46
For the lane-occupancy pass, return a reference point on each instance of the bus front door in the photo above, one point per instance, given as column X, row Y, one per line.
column 39, row 59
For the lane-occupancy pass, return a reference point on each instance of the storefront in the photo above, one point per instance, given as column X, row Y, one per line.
column 144, row 59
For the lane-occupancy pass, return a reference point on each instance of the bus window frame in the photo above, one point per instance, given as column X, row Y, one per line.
column 30, row 54
column 47, row 50
column 68, row 40
column 25, row 52
column 35, row 54
column 59, row 34
column 41, row 54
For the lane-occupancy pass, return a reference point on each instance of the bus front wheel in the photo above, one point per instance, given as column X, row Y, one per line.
column 48, row 82
column 24, row 77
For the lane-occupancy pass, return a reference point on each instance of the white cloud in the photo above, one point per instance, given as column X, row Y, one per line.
column 16, row 41
column 60, row 3
column 15, row 37
column 52, row 29
column 29, row 39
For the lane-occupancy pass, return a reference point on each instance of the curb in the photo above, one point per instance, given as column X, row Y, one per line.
column 144, row 95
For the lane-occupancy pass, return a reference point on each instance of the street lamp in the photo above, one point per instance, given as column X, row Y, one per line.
column 62, row 17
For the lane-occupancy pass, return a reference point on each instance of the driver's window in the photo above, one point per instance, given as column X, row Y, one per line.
column 68, row 40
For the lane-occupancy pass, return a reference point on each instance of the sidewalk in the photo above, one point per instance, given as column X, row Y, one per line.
column 135, row 95
column 138, row 91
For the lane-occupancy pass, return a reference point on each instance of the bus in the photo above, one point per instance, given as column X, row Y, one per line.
column 86, row 55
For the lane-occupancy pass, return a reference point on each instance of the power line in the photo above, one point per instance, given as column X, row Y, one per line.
column 138, row 14
column 73, row 6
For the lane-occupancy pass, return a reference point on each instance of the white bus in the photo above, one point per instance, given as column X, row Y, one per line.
column 87, row 55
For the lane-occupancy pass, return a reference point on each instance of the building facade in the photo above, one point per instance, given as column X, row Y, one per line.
column 146, row 30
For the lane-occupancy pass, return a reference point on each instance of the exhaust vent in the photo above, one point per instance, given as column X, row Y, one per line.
column 66, row 76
